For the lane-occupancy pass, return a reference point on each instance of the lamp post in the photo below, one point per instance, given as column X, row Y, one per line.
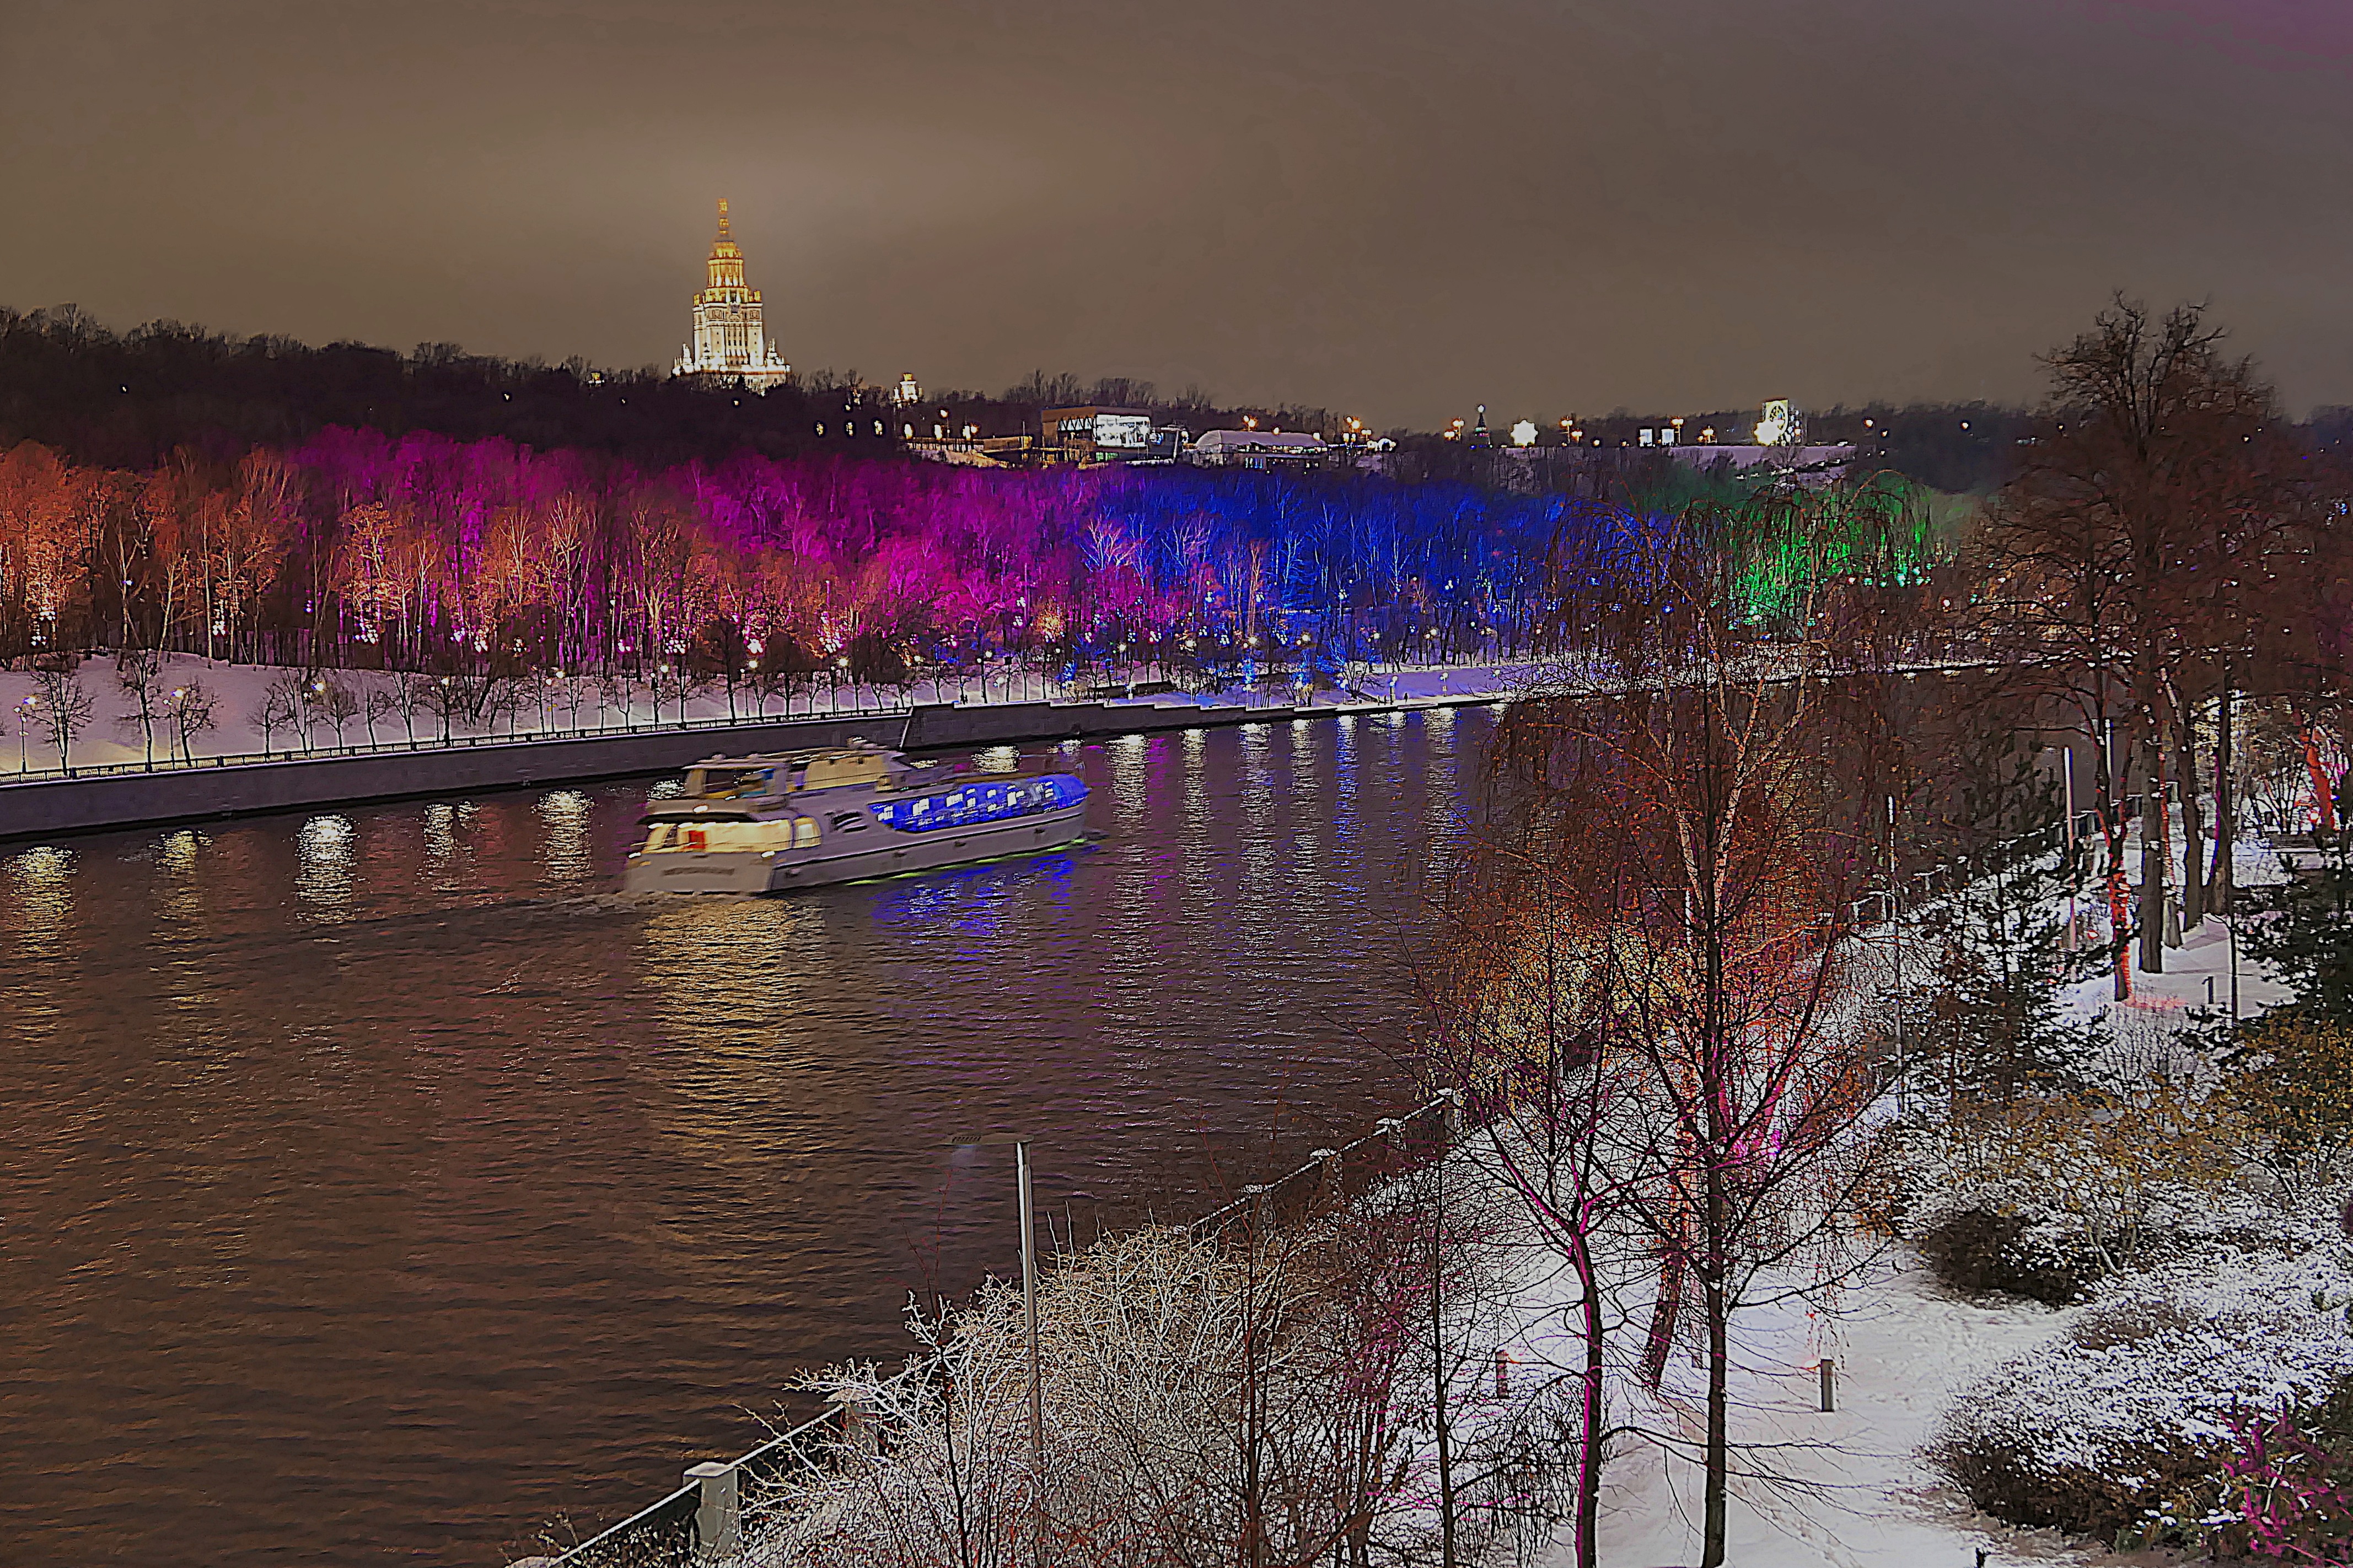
column 1029, row 1323
column 2230, row 923
column 2067, row 785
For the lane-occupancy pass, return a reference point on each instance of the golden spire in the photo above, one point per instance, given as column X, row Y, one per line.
column 723, row 217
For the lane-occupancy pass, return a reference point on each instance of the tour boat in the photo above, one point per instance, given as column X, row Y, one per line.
column 805, row 819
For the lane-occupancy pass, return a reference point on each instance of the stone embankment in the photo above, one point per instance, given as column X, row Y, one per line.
column 38, row 807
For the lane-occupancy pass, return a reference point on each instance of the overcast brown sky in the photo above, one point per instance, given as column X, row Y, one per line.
column 1391, row 209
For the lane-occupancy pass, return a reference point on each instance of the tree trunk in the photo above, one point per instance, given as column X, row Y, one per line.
column 1719, row 1445
column 2193, row 823
column 2323, row 799
column 1589, row 1423
column 2221, row 891
column 1441, row 1403
column 2152, row 850
column 1664, row 1313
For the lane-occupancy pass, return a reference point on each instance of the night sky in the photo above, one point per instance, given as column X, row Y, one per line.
column 1393, row 210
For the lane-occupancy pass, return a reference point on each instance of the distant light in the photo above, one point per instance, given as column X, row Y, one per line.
column 1523, row 434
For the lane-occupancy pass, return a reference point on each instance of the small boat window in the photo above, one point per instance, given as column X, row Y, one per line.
column 848, row 821
column 805, row 834
column 731, row 784
column 659, row 838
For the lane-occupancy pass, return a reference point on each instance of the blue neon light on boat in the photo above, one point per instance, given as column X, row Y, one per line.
column 977, row 802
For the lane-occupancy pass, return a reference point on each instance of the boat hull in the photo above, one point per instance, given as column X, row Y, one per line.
column 893, row 853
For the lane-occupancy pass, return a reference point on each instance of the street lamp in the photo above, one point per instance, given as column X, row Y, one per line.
column 1029, row 1323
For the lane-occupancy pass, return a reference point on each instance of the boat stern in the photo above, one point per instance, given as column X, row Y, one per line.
column 698, row 872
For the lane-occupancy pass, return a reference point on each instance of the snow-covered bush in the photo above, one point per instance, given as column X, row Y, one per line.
column 2036, row 1255
column 2047, row 1193
column 2291, row 1079
column 2131, row 1409
column 1280, row 1395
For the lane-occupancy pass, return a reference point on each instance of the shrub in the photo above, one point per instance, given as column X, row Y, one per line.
column 1978, row 1251
column 2292, row 1081
column 2011, row 1479
column 2097, row 1178
column 2125, row 1423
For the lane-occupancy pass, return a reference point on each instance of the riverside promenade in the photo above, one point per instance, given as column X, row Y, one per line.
column 133, row 795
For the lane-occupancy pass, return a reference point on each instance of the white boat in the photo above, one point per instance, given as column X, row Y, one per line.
column 805, row 819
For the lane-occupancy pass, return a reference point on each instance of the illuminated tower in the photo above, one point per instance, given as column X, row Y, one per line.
column 728, row 338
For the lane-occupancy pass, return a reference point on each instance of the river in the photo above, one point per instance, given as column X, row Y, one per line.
column 381, row 1186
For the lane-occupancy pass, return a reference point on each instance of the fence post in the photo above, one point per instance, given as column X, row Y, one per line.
column 719, row 1522
column 1334, row 1189
column 856, row 1421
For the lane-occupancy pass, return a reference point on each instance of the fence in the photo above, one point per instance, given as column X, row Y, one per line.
column 702, row 1522
column 452, row 742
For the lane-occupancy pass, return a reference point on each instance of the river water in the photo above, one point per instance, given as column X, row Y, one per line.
column 381, row 1186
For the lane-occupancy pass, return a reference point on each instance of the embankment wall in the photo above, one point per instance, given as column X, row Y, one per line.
column 43, row 807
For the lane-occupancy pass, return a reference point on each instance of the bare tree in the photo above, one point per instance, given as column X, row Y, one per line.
column 676, row 682
column 191, row 709
column 62, row 704
column 280, row 707
column 336, row 703
column 1518, row 1003
column 1689, row 836
column 379, row 702
column 2133, row 567
column 139, row 673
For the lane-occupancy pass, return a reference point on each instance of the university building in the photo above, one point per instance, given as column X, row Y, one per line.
column 730, row 340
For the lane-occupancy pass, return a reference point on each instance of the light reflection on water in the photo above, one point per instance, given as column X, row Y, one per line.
column 395, row 1138
column 564, row 850
column 325, row 859
column 43, row 876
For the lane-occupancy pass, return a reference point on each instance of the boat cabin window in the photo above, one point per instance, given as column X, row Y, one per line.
column 848, row 821
column 660, row 838
column 805, row 833
column 726, row 783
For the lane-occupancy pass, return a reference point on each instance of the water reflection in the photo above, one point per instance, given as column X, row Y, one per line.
column 43, row 879
column 324, row 858
column 441, row 832
column 564, row 843
column 179, row 894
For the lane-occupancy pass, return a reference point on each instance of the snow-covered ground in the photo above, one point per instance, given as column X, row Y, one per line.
column 558, row 707
column 1855, row 1487
column 1901, row 1345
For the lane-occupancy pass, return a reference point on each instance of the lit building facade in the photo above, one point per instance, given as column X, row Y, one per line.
column 730, row 339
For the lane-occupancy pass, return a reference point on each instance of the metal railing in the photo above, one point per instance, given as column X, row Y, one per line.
column 454, row 742
column 406, row 744
column 703, row 1519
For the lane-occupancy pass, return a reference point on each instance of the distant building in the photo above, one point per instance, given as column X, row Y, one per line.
column 908, row 392
column 1784, row 424
column 1258, row 450
column 730, row 340
column 1092, row 434
column 1816, row 465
